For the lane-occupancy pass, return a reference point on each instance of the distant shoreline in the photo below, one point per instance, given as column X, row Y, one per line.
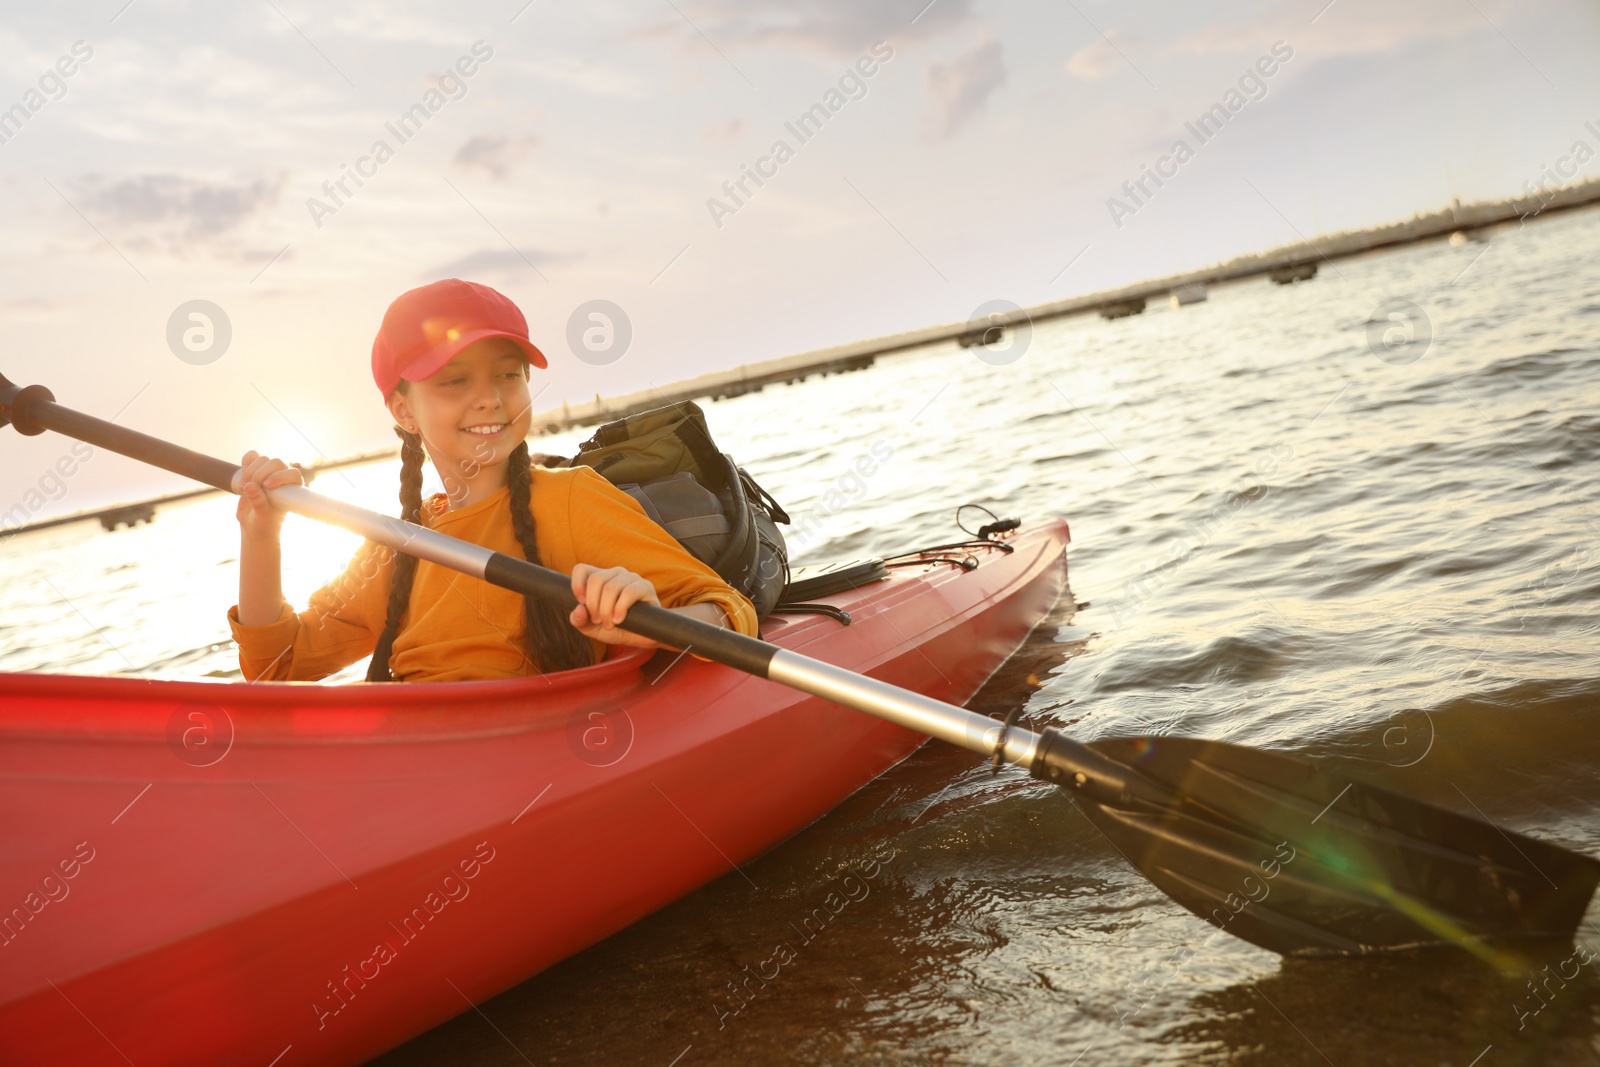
column 145, row 508
column 1297, row 260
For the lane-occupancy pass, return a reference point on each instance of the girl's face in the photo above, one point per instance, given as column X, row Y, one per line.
column 471, row 414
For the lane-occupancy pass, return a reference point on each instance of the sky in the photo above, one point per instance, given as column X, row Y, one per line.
column 253, row 157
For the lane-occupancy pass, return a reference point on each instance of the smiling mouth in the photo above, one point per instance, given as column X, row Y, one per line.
column 485, row 431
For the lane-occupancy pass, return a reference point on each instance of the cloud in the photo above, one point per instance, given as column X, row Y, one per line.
column 586, row 74
column 33, row 306
column 723, row 133
column 492, row 154
column 499, row 261
column 828, row 27
column 1101, row 57
column 170, row 212
column 374, row 21
column 1348, row 27
column 959, row 89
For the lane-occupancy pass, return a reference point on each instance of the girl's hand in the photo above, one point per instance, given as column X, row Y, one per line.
column 258, row 473
column 604, row 597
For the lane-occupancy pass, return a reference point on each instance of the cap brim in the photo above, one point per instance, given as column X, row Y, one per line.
column 428, row 364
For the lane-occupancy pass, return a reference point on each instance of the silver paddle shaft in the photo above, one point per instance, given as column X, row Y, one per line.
column 925, row 715
column 397, row 534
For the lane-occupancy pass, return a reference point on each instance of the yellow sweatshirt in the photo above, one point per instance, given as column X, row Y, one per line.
column 459, row 628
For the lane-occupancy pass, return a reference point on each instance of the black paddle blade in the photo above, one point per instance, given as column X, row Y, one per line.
column 1307, row 863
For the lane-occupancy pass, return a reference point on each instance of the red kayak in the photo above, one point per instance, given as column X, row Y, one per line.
column 287, row 873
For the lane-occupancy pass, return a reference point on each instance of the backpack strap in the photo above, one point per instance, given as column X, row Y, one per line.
column 692, row 526
column 635, row 490
column 753, row 491
column 712, row 464
column 697, row 526
column 738, row 561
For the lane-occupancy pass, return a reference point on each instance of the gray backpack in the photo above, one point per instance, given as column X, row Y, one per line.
column 665, row 459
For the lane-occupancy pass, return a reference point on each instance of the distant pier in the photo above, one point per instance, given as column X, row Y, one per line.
column 129, row 515
column 1284, row 266
column 1298, row 272
column 144, row 511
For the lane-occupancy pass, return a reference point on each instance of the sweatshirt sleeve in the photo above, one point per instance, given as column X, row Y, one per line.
column 610, row 529
column 339, row 626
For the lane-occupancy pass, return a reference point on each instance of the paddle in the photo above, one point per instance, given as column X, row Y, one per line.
column 1268, row 847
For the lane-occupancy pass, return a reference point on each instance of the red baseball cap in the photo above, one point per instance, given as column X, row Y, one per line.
column 425, row 328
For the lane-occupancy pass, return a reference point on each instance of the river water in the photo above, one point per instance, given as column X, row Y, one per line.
column 1291, row 529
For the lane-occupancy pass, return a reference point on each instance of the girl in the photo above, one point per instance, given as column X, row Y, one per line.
column 452, row 361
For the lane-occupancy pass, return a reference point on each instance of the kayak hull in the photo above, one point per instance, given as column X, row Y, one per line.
column 282, row 873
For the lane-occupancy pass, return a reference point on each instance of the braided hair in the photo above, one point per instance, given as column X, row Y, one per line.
column 550, row 641
column 405, row 566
